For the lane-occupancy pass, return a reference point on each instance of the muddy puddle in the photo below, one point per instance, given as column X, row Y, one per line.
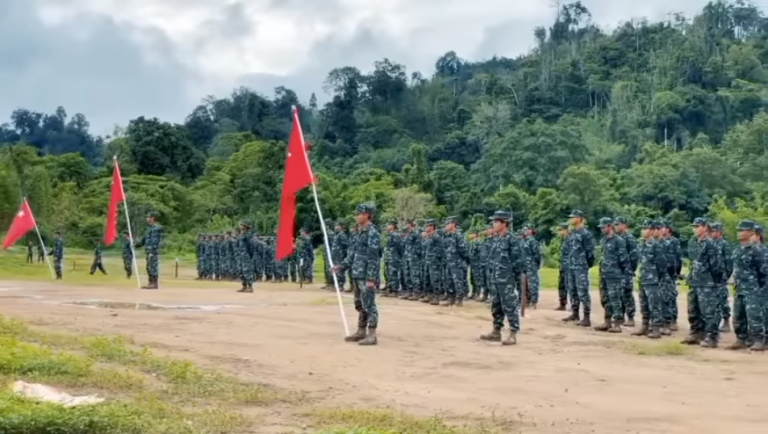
column 108, row 304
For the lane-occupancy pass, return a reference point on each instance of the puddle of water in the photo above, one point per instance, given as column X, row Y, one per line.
column 108, row 304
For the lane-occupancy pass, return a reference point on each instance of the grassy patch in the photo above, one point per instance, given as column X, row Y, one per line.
column 385, row 421
column 657, row 348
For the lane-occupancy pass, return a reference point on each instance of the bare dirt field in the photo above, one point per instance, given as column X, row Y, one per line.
column 558, row 379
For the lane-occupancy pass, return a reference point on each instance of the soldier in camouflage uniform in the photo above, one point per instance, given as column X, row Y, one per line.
column 98, row 263
column 533, row 261
column 433, row 257
column 245, row 252
column 562, row 291
column 653, row 269
column 490, row 236
column 476, row 264
column 269, row 259
column 507, row 263
column 725, row 252
column 198, row 256
column 412, row 262
column 352, row 241
column 393, row 260
column 327, row 267
column 306, row 255
column 258, row 257
column 151, row 242
column 704, row 298
column 58, row 254
column 339, row 250
column 128, row 254
column 750, row 272
column 580, row 258
column 364, row 259
column 456, row 256
column 628, row 282
column 674, row 256
column 613, row 267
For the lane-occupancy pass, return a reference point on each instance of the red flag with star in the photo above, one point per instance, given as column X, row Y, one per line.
column 117, row 197
column 22, row 223
column 298, row 176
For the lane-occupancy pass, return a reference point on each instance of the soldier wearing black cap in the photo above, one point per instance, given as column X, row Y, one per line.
column 704, row 297
column 581, row 257
column 628, row 284
column 653, row 268
column 750, row 275
column 364, row 259
column 151, row 242
column 507, row 263
column 393, row 260
column 726, row 252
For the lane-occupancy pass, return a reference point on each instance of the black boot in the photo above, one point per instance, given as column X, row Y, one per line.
column 358, row 336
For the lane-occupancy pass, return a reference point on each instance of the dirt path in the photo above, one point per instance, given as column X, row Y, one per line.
column 559, row 379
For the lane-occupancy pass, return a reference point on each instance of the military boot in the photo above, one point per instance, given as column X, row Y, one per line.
column 665, row 331
column 630, row 322
column 726, row 328
column 249, row 288
column 414, row 297
column 459, row 303
column 405, row 296
column 434, row 300
column 585, row 322
column 560, row 308
column 738, row 345
column 709, row 342
column 693, row 339
column 443, row 297
column 642, row 331
column 483, row 298
column 572, row 317
column 655, row 333
column 447, row 302
column 243, row 288
column 615, row 326
column 759, row 345
column 511, row 339
column 425, row 298
column 370, row 338
column 673, row 326
column 604, row 327
column 494, row 336
column 358, row 336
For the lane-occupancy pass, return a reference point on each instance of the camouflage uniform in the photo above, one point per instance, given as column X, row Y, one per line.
column 562, row 290
column 613, row 266
column 151, row 242
column 412, row 263
column 476, row 265
column 339, row 251
column 245, row 252
column 128, row 256
column 750, row 272
column 97, row 263
column 507, row 263
column 306, row 256
column 456, row 256
column 393, row 260
column 726, row 253
column 653, row 269
column 199, row 256
column 364, row 260
column 433, row 259
column 532, row 264
column 628, row 282
column 705, row 298
column 58, row 256
column 581, row 257
column 30, row 253
column 327, row 272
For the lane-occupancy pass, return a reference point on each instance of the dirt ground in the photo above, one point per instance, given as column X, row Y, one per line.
column 558, row 379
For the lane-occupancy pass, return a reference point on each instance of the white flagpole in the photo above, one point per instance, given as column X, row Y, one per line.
column 42, row 245
column 325, row 232
column 128, row 222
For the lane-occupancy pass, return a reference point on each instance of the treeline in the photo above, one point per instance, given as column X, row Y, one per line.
column 652, row 119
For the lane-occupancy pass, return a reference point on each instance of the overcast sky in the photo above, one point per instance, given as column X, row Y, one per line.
column 114, row 60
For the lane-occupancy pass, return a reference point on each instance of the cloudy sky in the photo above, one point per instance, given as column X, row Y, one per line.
column 114, row 60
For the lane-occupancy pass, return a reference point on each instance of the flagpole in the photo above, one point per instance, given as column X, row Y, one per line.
column 42, row 245
column 128, row 222
column 325, row 233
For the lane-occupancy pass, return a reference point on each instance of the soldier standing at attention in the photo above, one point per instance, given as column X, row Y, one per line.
column 562, row 290
column 580, row 258
column 153, row 237
column 628, row 282
column 613, row 266
column 750, row 272
column 456, row 258
column 30, row 253
column 476, row 265
column 245, row 251
column 306, row 256
column 128, row 255
column 58, row 254
column 653, row 268
column 704, row 298
column 412, row 262
column 393, row 260
column 674, row 267
column 507, row 263
column 725, row 252
column 364, row 259
column 532, row 263
column 326, row 255
column 433, row 273
column 97, row 261
column 339, row 251
column 199, row 252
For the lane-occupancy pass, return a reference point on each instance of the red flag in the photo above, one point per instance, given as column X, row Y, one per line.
column 118, row 196
column 22, row 223
column 298, row 175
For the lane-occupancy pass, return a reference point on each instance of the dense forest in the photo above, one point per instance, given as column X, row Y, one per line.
column 652, row 119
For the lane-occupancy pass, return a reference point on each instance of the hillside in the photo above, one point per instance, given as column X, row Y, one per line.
column 652, row 119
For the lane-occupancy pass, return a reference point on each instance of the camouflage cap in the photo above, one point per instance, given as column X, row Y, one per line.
column 648, row 224
column 503, row 216
column 746, row 225
column 563, row 225
column 620, row 220
column 430, row 222
column 759, row 229
column 656, row 224
column 365, row 208
column 605, row 222
column 576, row 213
column 452, row 219
column 700, row 221
column 340, row 223
column 716, row 226
column 246, row 222
column 392, row 222
column 153, row 214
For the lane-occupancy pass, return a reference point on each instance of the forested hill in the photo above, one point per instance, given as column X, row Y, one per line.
column 651, row 119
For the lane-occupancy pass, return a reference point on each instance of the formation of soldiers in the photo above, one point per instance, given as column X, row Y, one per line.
column 222, row 257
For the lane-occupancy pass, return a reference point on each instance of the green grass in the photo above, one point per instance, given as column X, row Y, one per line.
column 386, row 421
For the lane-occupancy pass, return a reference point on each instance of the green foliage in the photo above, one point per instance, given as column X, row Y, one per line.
column 660, row 119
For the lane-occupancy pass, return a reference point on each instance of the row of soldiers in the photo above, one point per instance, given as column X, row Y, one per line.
column 222, row 256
